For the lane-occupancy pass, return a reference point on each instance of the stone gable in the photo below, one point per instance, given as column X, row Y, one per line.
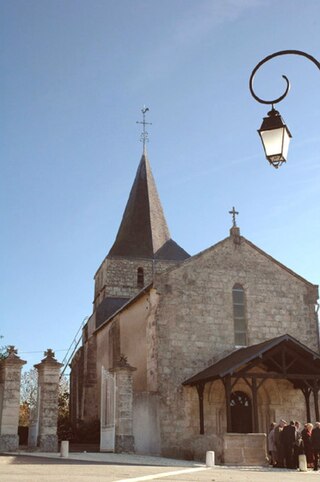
column 195, row 313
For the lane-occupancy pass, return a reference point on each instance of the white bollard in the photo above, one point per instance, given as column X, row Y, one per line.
column 210, row 459
column 64, row 449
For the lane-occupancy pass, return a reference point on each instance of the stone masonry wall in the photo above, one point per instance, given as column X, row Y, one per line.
column 91, row 402
column 124, row 439
column 48, row 390
column 245, row 449
column 118, row 276
column 195, row 319
column 10, row 376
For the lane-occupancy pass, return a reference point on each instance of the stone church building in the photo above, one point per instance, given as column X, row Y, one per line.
column 184, row 354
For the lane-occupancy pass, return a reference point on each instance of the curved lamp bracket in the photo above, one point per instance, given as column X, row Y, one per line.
column 266, row 59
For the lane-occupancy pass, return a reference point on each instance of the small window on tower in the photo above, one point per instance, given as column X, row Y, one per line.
column 140, row 278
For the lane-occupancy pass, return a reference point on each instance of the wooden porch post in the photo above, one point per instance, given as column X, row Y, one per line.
column 200, row 390
column 306, row 392
column 315, row 396
column 227, row 386
column 255, row 419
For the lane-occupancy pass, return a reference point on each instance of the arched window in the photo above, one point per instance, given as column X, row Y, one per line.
column 140, row 278
column 241, row 412
column 240, row 324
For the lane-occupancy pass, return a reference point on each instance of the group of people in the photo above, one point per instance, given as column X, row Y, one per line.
column 286, row 441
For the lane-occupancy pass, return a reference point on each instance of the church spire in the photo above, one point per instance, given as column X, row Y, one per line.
column 143, row 229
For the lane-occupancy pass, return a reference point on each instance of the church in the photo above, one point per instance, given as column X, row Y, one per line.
column 184, row 354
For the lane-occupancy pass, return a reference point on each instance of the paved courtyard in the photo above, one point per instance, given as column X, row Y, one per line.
column 95, row 467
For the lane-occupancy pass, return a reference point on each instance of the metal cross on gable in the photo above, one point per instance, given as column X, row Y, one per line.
column 144, row 138
column 234, row 213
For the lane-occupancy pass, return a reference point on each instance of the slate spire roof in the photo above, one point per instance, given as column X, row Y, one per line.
column 143, row 230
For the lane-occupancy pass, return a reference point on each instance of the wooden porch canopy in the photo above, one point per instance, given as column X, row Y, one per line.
column 283, row 357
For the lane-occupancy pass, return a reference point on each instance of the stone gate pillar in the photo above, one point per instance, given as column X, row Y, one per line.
column 124, row 439
column 48, row 393
column 10, row 377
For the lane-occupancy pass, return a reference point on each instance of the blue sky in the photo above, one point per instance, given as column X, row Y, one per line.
column 75, row 75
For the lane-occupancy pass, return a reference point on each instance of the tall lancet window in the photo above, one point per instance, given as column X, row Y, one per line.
column 239, row 316
column 140, row 278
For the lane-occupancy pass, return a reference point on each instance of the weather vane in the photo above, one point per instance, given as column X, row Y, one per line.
column 144, row 138
column 234, row 213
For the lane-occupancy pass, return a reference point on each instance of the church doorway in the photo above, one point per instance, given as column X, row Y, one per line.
column 241, row 412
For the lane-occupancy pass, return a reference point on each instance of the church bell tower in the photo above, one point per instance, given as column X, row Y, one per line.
column 143, row 245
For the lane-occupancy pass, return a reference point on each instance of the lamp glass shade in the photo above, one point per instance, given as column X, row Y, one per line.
column 275, row 137
column 276, row 144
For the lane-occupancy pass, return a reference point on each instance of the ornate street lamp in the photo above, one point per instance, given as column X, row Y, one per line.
column 274, row 133
column 275, row 137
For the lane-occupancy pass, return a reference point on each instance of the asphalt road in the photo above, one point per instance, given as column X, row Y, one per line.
column 21, row 468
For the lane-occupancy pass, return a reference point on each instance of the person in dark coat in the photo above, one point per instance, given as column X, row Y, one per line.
column 288, row 436
column 278, row 443
column 315, row 440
